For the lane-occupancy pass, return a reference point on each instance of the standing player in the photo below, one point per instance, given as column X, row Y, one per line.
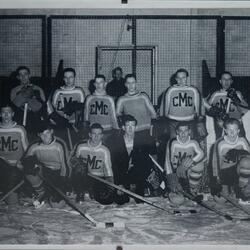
column 181, row 102
column 231, row 161
column 50, row 155
column 184, row 161
column 68, row 99
column 94, row 158
column 137, row 104
column 226, row 103
column 100, row 108
column 29, row 96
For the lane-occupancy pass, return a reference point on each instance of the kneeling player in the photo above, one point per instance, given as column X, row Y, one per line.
column 47, row 157
column 94, row 158
column 184, row 162
column 231, row 161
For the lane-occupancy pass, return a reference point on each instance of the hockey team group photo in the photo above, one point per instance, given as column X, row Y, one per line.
column 124, row 129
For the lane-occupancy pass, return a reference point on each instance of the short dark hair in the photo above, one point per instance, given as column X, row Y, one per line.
column 183, row 124
column 7, row 106
column 181, row 70
column 226, row 72
column 95, row 126
column 128, row 118
column 231, row 121
column 69, row 70
column 42, row 126
column 129, row 76
column 22, row 68
column 100, row 76
column 115, row 69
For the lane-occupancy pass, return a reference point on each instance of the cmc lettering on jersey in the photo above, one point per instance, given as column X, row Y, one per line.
column 223, row 104
column 183, row 100
column 61, row 105
column 94, row 163
column 99, row 108
column 7, row 144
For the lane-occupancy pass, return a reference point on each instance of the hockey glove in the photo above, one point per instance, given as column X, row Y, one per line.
column 78, row 166
column 235, row 154
column 182, row 168
column 30, row 164
column 172, row 182
column 60, row 121
column 72, row 107
column 218, row 113
column 231, row 93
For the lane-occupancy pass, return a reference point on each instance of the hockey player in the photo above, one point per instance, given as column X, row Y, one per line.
column 226, row 103
column 48, row 157
column 184, row 162
column 137, row 104
column 100, row 108
column 13, row 137
column 13, row 143
column 68, row 99
column 94, row 158
column 130, row 156
column 30, row 97
column 231, row 161
column 181, row 102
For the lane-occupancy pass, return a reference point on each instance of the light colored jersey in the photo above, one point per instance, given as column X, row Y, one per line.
column 62, row 97
column 97, row 159
column 53, row 156
column 224, row 146
column 176, row 151
column 13, row 143
column 139, row 106
column 181, row 103
column 100, row 108
column 220, row 99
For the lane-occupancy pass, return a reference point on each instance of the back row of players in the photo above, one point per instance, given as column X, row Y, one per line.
column 111, row 137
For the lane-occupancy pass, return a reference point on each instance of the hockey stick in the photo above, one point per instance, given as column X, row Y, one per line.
column 85, row 215
column 12, row 190
column 233, row 202
column 139, row 197
column 25, row 114
column 68, row 131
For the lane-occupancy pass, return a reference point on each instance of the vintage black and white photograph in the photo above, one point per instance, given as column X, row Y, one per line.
column 124, row 126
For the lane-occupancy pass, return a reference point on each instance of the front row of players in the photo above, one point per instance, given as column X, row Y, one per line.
column 125, row 160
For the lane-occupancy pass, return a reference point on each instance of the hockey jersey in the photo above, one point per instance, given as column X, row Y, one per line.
column 139, row 106
column 176, row 151
column 62, row 97
column 220, row 99
column 223, row 146
column 100, row 108
column 53, row 156
column 13, row 143
column 181, row 103
column 97, row 158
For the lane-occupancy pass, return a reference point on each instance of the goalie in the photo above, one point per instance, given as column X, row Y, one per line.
column 231, row 163
column 183, row 164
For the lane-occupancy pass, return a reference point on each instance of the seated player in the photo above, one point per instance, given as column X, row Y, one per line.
column 182, row 102
column 130, row 156
column 13, row 143
column 31, row 95
column 66, row 105
column 226, row 103
column 94, row 158
column 48, row 157
column 231, row 161
column 100, row 108
column 116, row 87
column 137, row 104
column 184, row 162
